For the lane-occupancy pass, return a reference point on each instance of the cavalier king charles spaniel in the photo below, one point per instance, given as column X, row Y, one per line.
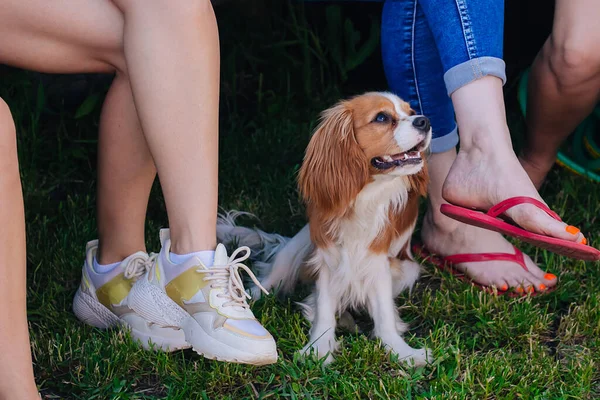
column 362, row 176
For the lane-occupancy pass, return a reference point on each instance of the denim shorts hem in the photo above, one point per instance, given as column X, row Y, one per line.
column 472, row 70
column 444, row 143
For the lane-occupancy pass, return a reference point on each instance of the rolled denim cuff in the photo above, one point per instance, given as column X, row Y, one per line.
column 444, row 143
column 472, row 70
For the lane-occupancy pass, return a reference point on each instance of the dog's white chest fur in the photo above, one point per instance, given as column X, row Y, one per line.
column 350, row 263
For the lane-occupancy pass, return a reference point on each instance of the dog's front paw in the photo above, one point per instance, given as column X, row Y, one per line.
column 417, row 357
column 320, row 349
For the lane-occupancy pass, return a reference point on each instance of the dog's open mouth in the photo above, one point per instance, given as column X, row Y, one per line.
column 410, row 157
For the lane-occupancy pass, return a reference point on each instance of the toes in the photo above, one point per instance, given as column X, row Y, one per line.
column 535, row 220
column 550, row 279
column 514, row 284
column 535, row 285
column 502, row 285
column 541, row 277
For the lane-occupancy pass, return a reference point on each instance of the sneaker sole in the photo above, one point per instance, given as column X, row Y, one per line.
column 151, row 302
column 91, row 312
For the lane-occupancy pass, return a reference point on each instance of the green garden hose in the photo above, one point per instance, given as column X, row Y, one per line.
column 581, row 152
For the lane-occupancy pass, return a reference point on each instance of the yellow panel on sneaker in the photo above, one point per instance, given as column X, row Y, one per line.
column 114, row 291
column 185, row 286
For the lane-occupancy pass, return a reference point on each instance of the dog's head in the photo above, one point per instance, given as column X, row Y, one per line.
column 357, row 140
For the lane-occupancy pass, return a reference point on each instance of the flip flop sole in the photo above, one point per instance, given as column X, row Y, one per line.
column 559, row 246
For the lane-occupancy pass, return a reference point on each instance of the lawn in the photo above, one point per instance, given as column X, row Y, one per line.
column 280, row 69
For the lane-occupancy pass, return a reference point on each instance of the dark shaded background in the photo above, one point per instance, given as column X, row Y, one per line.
column 527, row 25
column 277, row 58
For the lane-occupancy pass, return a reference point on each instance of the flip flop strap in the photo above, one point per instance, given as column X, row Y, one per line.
column 507, row 204
column 481, row 257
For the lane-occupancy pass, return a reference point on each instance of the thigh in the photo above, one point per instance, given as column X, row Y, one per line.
column 61, row 36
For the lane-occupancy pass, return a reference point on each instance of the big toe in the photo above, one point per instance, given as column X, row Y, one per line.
column 535, row 220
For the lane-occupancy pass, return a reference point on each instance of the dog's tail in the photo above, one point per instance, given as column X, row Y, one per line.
column 277, row 258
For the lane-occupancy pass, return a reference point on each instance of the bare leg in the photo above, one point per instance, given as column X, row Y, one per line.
column 564, row 84
column 16, row 373
column 486, row 170
column 125, row 175
column 445, row 236
column 179, row 115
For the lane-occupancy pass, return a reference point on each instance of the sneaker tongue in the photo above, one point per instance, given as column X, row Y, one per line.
column 220, row 255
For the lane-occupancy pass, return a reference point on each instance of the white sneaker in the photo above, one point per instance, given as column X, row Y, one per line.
column 208, row 304
column 101, row 301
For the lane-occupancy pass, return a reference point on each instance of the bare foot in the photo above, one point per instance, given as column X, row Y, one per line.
column 444, row 236
column 482, row 177
column 486, row 170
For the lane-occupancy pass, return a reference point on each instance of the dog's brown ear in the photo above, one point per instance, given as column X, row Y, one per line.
column 335, row 169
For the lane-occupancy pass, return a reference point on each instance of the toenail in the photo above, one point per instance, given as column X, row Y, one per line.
column 530, row 289
column 504, row 288
column 542, row 287
column 583, row 241
column 549, row 277
column 519, row 289
column 572, row 230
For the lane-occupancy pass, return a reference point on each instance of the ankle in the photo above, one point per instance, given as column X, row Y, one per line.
column 435, row 221
column 207, row 257
column 483, row 141
column 189, row 243
column 109, row 255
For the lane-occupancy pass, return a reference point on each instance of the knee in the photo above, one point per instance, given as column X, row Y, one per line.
column 175, row 11
column 573, row 62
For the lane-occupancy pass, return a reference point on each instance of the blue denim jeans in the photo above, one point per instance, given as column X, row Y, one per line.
column 431, row 48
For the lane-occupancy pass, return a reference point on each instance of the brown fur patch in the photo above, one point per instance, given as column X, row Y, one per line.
column 419, row 182
column 334, row 171
column 400, row 221
column 406, row 108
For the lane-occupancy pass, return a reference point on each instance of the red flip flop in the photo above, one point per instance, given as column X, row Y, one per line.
column 496, row 220
column 448, row 263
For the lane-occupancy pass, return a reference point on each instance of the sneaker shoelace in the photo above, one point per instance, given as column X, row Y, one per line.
column 228, row 277
column 138, row 265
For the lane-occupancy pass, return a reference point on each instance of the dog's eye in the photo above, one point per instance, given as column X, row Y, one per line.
column 381, row 117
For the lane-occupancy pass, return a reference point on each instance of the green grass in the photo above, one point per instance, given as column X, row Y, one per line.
column 485, row 347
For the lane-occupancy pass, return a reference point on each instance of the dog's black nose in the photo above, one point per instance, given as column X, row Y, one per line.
column 422, row 123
